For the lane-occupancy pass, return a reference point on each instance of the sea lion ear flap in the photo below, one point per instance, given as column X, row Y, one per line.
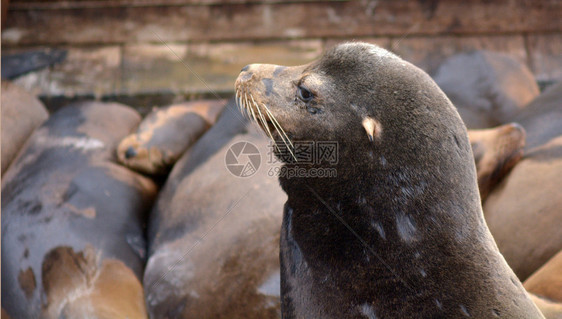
column 372, row 127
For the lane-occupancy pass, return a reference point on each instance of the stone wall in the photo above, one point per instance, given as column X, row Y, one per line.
column 152, row 52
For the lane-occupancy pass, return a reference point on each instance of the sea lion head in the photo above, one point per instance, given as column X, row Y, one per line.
column 376, row 106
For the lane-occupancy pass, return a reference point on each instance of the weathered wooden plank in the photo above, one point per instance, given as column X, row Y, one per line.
column 429, row 52
column 85, row 71
column 88, row 4
column 204, row 67
column 546, row 56
column 292, row 20
column 174, row 69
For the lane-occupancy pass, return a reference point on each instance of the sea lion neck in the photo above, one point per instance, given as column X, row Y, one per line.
column 409, row 202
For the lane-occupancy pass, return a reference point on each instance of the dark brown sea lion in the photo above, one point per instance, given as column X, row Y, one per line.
column 488, row 88
column 496, row 151
column 22, row 113
column 214, row 235
column 523, row 211
column 165, row 134
column 399, row 231
column 72, row 220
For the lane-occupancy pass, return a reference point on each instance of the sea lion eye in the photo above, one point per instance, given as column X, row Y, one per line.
column 304, row 94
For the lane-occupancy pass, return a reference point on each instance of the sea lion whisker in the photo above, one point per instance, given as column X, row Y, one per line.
column 251, row 114
column 282, row 131
column 240, row 103
column 249, row 108
column 252, row 111
column 282, row 134
column 273, row 119
column 264, row 122
column 279, row 129
column 272, row 139
column 246, row 111
column 245, row 100
column 285, row 142
column 255, row 105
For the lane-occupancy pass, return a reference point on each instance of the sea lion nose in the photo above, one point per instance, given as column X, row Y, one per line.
column 130, row 152
column 245, row 76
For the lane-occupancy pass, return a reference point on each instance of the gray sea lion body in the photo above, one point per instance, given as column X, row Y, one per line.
column 22, row 113
column 524, row 211
column 487, row 88
column 214, row 236
column 399, row 233
column 72, row 220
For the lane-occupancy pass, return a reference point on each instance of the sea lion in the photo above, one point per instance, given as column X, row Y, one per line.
column 73, row 241
column 399, row 231
column 546, row 285
column 214, row 235
column 165, row 134
column 550, row 309
column 496, row 151
column 22, row 113
column 547, row 280
column 244, row 286
column 523, row 211
column 488, row 88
